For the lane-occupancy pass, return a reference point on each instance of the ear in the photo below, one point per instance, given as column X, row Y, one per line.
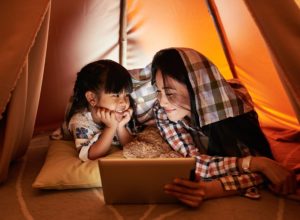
column 91, row 98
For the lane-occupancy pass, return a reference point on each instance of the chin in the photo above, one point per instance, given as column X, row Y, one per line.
column 174, row 118
column 118, row 116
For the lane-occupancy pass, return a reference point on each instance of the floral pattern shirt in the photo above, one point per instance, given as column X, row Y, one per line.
column 86, row 132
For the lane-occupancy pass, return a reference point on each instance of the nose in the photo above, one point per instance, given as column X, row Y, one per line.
column 122, row 101
column 163, row 100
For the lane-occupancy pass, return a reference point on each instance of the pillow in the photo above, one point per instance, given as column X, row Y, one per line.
column 64, row 170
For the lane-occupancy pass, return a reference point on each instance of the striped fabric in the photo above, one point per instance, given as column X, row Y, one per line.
column 207, row 167
column 215, row 99
column 144, row 94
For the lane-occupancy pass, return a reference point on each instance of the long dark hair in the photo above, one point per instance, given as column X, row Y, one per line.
column 170, row 63
column 103, row 75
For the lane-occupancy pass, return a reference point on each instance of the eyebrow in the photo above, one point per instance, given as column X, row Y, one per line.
column 168, row 88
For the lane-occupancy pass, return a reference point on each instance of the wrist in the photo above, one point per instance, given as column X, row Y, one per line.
column 246, row 163
column 112, row 127
column 214, row 189
column 257, row 164
column 121, row 126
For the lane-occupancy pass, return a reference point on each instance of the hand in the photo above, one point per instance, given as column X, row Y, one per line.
column 283, row 181
column 105, row 116
column 188, row 192
column 125, row 117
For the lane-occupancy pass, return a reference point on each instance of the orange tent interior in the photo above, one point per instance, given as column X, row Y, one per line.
column 255, row 41
column 77, row 37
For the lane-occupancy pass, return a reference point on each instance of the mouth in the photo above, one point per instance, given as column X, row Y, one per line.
column 169, row 110
column 120, row 111
column 120, row 114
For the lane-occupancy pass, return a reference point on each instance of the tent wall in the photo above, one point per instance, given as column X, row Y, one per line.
column 79, row 33
column 84, row 32
column 154, row 25
column 89, row 30
column 23, row 52
column 279, row 24
column 253, row 61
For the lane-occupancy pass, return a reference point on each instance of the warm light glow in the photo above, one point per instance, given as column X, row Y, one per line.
column 254, row 66
column 154, row 25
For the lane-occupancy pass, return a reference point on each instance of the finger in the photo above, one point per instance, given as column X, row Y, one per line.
column 130, row 110
column 192, row 203
column 126, row 114
column 184, row 190
column 95, row 112
column 108, row 114
column 102, row 112
column 196, row 199
column 187, row 183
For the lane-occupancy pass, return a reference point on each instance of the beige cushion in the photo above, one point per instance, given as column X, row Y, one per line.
column 64, row 170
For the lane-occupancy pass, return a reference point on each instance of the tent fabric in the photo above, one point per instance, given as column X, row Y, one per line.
column 151, row 26
column 23, row 54
column 79, row 33
column 279, row 24
column 262, row 38
column 254, row 64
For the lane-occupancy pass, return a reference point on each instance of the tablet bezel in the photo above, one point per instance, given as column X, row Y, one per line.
column 141, row 181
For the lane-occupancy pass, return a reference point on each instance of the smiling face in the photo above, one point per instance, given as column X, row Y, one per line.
column 114, row 102
column 173, row 97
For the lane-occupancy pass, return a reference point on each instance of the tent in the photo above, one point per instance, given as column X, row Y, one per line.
column 44, row 44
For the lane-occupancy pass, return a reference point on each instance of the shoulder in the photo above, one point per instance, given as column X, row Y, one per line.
column 83, row 115
column 82, row 119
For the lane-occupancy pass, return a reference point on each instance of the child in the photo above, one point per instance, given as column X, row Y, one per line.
column 100, row 109
column 200, row 115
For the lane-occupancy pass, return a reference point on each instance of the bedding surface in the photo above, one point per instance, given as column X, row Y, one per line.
column 26, row 202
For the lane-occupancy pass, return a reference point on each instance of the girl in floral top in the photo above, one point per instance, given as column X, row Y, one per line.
column 200, row 115
column 101, row 108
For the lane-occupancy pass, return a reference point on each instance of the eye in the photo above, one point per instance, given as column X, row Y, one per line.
column 170, row 94
column 115, row 95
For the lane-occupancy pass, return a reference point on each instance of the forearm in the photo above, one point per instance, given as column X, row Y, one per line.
column 124, row 135
column 257, row 164
column 102, row 145
column 214, row 189
column 209, row 167
column 228, row 171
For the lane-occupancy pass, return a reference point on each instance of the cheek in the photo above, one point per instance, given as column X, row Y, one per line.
column 127, row 101
column 108, row 104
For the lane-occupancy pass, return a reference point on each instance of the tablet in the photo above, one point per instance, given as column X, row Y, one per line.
column 141, row 181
